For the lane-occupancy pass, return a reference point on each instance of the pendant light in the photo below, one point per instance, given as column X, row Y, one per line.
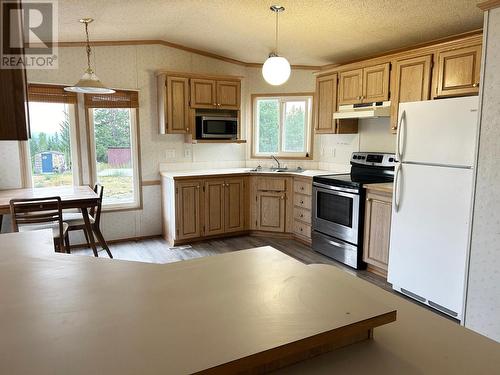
column 89, row 83
column 276, row 70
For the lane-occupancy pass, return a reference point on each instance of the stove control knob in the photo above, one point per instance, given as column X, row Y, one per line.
column 391, row 160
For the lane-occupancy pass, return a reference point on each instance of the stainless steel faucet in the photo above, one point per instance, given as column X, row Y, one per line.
column 277, row 161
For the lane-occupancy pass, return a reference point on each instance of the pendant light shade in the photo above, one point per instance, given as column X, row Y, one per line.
column 89, row 83
column 276, row 70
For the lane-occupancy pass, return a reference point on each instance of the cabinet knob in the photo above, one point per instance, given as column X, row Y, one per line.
column 301, row 202
column 302, row 188
column 475, row 85
column 359, row 98
column 301, row 229
column 197, row 186
column 301, row 215
column 282, row 197
column 187, row 129
column 214, row 104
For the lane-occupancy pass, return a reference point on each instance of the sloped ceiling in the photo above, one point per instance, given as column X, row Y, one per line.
column 314, row 32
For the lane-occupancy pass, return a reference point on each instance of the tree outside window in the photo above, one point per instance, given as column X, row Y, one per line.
column 282, row 126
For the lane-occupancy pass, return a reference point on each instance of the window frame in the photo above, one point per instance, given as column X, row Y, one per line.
column 136, row 159
column 24, row 148
column 283, row 98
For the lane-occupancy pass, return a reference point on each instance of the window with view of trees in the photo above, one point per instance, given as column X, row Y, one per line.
column 115, row 151
column 282, row 126
column 50, row 148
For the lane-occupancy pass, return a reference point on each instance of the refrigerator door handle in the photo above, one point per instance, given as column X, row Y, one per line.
column 397, row 197
column 399, row 153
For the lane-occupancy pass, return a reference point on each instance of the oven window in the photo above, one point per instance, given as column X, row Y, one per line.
column 334, row 208
column 217, row 127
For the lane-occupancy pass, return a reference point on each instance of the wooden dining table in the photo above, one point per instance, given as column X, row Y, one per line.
column 72, row 197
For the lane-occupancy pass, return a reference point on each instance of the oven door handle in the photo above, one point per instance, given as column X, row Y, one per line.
column 338, row 244
column 335, row 188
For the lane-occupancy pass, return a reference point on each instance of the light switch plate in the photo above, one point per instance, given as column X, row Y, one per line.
column 170, row 153
column 187, row 153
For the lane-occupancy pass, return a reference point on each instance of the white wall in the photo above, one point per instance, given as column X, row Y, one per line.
column 483, row 295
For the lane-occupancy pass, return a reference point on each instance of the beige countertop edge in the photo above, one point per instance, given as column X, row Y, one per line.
column 387, row 187
column 178, row 175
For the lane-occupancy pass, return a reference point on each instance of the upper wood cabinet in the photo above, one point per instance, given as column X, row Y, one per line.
column 370, row 84
column 376, row 83
column 350, row 87
column 228, row 94
column 411, row 83
column 458, row 71
column 208, row 93
column 203, row 93
column 326, row 103
column 177, row 105
column 187, row 208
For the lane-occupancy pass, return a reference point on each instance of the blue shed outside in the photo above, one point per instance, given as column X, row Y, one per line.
column 47, row 166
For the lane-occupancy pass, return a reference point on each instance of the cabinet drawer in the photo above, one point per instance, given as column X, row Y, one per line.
column 302, row 186
column 301, row 229
column 302, row 201
column 302, row 214
column 271, row 184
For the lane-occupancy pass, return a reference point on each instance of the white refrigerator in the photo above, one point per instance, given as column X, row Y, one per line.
column 431, row 210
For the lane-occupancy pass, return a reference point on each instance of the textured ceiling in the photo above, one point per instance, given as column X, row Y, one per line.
column 314, row 32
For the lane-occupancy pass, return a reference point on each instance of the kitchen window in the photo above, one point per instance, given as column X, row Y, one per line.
column 282, row 125
column 114, row 147
column 51, row 152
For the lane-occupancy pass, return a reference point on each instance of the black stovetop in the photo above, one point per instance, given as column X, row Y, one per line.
column 358, row 177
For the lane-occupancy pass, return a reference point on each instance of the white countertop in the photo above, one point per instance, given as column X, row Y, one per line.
column 228, row 171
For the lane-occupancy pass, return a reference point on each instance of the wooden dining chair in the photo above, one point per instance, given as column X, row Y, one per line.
column 76, row 222
column 40, row 213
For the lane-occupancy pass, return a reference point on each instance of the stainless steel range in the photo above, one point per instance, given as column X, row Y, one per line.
column 338, row 206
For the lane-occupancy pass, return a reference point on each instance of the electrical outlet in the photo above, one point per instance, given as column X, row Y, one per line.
column 170, row 153
column 187, row 153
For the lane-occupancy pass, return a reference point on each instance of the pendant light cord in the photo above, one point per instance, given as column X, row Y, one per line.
column 89, row 50
column 277, row 31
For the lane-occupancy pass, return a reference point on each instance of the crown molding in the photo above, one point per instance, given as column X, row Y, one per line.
column 107, row 43
column 487, row 5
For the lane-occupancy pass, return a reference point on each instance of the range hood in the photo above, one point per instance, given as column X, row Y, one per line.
column 364, row 110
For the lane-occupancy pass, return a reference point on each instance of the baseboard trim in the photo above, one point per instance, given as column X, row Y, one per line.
column 139, row 238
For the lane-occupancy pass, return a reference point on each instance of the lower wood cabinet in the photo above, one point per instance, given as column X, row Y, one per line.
column 187, row 209
column 216, row 206
column 270, row 211
column 377, row 229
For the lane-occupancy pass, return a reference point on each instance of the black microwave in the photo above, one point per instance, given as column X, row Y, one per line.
column 216, row 127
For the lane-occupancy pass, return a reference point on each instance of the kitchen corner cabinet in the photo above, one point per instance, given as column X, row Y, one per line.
column 377, row 229
column 366, row 85
column 458, row 72
column 215, row 94
column 411, row 83
column 272, row 205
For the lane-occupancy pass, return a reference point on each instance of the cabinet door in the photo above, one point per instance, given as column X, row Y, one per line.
column 214, row 207
column 188, row 209
column 271, row 211
column 412, row 80
column 228, row 95
column 14, row 119
column 326, row 99
column 203, row 93
column 234, row 205
column 177, row 105
column 458, row 72
column 378, row 211
column 350, row 87
column 376, row 83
